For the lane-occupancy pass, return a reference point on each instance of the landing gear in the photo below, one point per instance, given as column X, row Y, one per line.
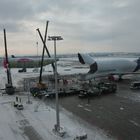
column 120, row 78
column 115, row 77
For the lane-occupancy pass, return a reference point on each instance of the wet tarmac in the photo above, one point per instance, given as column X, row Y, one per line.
column 117, row 114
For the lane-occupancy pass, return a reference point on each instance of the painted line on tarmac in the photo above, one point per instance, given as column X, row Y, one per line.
column 134, row 123
column 80, row 106
column 86, row 109
column 87, row 105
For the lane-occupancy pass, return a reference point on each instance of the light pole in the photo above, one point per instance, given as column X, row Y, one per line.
column 56, row 38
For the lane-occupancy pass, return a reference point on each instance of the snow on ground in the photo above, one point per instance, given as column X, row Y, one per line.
column 40, row 122
column 29, row 124
column 9, row 129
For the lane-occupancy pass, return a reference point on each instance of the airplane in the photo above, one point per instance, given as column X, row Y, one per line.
column 27, row 62
column 113, row 69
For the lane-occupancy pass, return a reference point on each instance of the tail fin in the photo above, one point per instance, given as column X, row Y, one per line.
column 85, row 59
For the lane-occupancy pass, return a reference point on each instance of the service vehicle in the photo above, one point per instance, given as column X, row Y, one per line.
column 98, row 89
column 135, row 85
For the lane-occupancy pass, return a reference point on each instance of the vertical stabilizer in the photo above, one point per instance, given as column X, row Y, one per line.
column 85, row 59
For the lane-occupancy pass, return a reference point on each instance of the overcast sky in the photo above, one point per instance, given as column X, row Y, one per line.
column 85, row 25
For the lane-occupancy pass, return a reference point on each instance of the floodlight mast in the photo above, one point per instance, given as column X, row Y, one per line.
column 9, row 86
column 6, row 59
column 56, row 38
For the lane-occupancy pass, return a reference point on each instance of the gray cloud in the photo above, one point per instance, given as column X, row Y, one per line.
column 15, row 9
column 112, row 23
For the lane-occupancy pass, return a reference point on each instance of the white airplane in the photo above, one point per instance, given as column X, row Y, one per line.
column 108, row 68
column 27, row 62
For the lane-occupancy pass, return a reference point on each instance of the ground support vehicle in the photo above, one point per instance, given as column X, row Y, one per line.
column 50, row 93
column 36, row 92
column 135, row 85
column 98, row 89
